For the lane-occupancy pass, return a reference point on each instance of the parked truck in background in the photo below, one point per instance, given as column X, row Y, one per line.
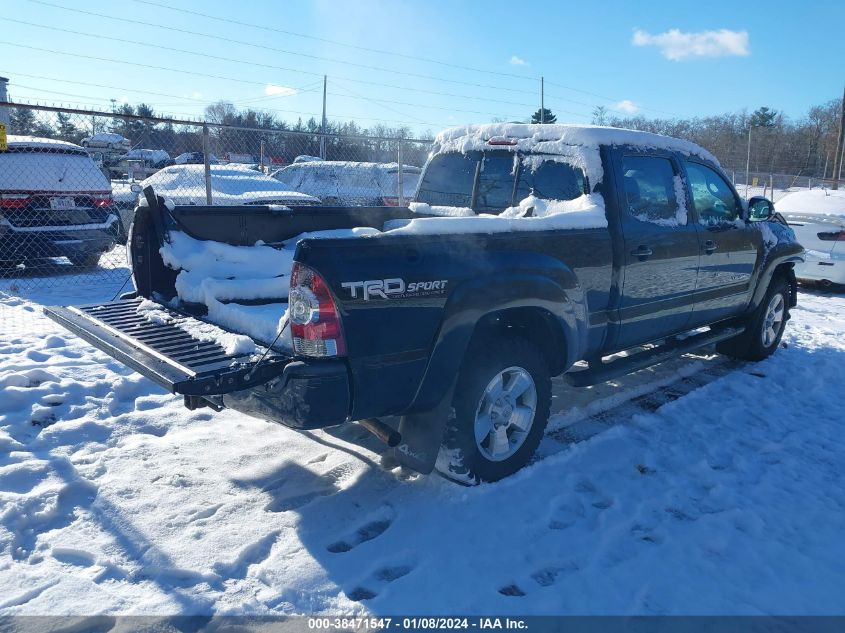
column 440, row 326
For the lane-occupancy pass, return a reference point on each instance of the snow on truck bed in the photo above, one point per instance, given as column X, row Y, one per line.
column 245, row 288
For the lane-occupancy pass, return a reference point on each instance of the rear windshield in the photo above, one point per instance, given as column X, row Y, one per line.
column 37, row 169
column 490, row 182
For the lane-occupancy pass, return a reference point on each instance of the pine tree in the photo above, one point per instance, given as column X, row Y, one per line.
column 547, row 116
column 763, row 117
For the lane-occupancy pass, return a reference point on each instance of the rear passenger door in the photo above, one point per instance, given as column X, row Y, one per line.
column 729, row 246
column 661, row 249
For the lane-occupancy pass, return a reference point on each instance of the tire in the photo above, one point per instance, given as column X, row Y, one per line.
column 87, row 261
column 764, row 326
column 515, row 371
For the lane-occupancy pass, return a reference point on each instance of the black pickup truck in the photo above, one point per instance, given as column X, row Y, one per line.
column 526, row 250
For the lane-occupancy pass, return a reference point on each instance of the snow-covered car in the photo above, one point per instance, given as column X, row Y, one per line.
column 54, row 202
column 347, row 183
column 107, row 140
column 230, row 185
column 818, row 218
column 194, row 158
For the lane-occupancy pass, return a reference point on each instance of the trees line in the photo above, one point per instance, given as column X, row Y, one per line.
column 802, row 146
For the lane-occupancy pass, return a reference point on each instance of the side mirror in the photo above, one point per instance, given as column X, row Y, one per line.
column 136, row 187
column 760, row 209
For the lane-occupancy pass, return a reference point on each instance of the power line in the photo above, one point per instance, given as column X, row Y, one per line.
column 135, row 22
column 275, row 67
column 392, row 54
column 429, row 60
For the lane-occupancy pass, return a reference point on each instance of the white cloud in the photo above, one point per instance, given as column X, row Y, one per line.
column 626, row 105
column 677, row 45
column 518, row 61
column 272, row 90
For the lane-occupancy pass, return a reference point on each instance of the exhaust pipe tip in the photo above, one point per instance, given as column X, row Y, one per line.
column 382, row 431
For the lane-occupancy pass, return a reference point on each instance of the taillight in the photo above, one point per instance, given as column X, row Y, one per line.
column 314, row 320
column 390, row 201
column 14, row 200
column 832, row 236
column 102, row 202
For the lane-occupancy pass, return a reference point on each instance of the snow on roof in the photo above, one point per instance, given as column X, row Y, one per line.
column 38, row 142
column 813, row 202
column 561, row 139
column 230, row 184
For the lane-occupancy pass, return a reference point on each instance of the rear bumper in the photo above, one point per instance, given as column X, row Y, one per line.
column 57, row 241
column 307, row 395
column 831, row 268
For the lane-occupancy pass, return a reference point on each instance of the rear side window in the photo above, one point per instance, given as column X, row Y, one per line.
column 650, row 186
column 495, row 183
column 448, row 180
column 550, row 180
column 712, row 196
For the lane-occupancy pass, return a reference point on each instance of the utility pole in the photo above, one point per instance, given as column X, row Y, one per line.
column 542, row 101
column 748, row 160
column 837, row 158
column 323, row 124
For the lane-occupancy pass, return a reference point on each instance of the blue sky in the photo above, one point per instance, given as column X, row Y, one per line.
column 652, row 58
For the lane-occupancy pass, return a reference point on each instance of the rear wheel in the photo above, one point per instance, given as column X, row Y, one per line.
column 764, row 326
column 501, row 407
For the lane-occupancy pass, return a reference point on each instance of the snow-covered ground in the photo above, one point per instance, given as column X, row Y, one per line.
column 702, row 486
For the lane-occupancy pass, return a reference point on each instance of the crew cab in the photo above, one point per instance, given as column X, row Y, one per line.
column 438, row 327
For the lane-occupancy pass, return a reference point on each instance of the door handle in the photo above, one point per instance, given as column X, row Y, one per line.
column 709, row 247
column 642, row 253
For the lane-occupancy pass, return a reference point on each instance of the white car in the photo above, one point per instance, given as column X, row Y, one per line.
column 818, row 218
column 54, row 202
column 348, row 183
column 107, row 140
column 230, row 185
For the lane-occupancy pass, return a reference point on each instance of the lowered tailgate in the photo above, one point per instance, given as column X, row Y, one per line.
column 166, row 353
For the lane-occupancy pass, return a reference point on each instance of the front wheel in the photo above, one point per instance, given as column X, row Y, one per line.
column 501, row 408
column 764, row 326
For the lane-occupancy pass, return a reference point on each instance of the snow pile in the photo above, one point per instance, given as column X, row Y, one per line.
column 563, row 140
column 814, row 202
column 423, row 208
column 245, row 288
column 531, row 214
column 218, row 275
column 234, row 344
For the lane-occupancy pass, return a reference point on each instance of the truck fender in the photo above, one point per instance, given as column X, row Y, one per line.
column 475, row 299
column 789, row 254
column 422, row 427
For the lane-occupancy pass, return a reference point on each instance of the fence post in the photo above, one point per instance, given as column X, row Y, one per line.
column 400, row 175
column 205, row 150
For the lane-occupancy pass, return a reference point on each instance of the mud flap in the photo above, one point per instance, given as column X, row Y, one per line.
column 422, row 435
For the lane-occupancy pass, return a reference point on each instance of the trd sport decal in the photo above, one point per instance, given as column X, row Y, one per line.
column 393, row 288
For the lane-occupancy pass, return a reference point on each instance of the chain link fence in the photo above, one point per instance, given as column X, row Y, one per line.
column 69, row 182
column 70, row 179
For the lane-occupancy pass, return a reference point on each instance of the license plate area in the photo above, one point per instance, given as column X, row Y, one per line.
column 64, row 203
